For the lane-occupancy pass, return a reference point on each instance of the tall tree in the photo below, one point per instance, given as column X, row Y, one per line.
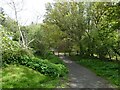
column 17, row 7
column 69, row 17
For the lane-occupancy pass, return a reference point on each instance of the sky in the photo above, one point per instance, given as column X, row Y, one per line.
column 31, row 9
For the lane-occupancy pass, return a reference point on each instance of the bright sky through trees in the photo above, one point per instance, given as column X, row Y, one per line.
column 31, row 9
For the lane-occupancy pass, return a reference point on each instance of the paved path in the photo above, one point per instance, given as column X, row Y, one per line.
column 81, row 77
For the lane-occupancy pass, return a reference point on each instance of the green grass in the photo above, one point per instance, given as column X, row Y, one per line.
column 106, row 69
column 20, row 76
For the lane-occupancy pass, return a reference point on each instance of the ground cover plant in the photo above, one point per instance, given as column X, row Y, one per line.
column 18, row 76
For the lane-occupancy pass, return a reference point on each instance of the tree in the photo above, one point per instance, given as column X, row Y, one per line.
column 2, row 16
column 17, row 7
column 93, row 26
column 69, row 17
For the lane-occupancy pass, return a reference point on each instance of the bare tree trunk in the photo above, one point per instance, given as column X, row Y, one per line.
column 77, row 53
column 53, row 52
column 21, row 36
column 109, row 55
column 58, row 53
column 13, row 5
column 116, row 57
column 69, row 53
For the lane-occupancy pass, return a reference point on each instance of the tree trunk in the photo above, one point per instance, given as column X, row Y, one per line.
column 65, row 53
column 109, row 55
column 116, row 57
column 58, row 53
column 22, row 38
column 81, row 50
column 69, row 53
column 77, row 53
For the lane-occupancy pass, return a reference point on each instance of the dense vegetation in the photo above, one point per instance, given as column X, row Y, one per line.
column 13, row 54
column 90, row 28
column 24, row 63
column 24, row 77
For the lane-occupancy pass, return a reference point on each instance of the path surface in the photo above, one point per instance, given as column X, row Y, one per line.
column 81, row 77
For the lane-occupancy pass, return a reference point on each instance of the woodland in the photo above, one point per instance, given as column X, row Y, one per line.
column 86, row 32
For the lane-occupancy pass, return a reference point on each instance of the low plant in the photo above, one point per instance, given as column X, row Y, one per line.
column 11, row 50
column 19, row 76
column 52, row 58
column 45, row 67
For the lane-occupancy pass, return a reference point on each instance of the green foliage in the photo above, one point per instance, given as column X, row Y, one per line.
column 11, row 50
column 45, row 37
column 36, row 34
column 14, row 54
column 23, row 77
column 107, row 69
column 52, row 35
column 9, row 47
column 91, row 27
column 2, row 18
column 44, row 66
column 52, row 58
column 10, row 25
column 68, row 16
column 62, row 70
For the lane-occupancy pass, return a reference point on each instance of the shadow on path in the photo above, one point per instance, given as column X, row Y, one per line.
column 81, row 77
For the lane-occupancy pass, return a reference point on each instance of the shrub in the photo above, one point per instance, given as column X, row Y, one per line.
column 52, row 58
column 43, row 66
column 11, row 50
column 15, row 56
column 62, row 70
column 12, row 53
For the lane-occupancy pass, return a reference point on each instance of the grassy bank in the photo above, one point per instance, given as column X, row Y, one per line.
column 106, row 69
column 20, row 76
column 33, row 72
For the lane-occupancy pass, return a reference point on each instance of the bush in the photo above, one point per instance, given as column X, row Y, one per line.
column 43, row 66
column 52, row 58
column 62, row 70
column 47, row 68
column 12, row 53
column 11, row 50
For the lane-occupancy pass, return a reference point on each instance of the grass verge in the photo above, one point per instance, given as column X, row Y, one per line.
column 20, row 76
